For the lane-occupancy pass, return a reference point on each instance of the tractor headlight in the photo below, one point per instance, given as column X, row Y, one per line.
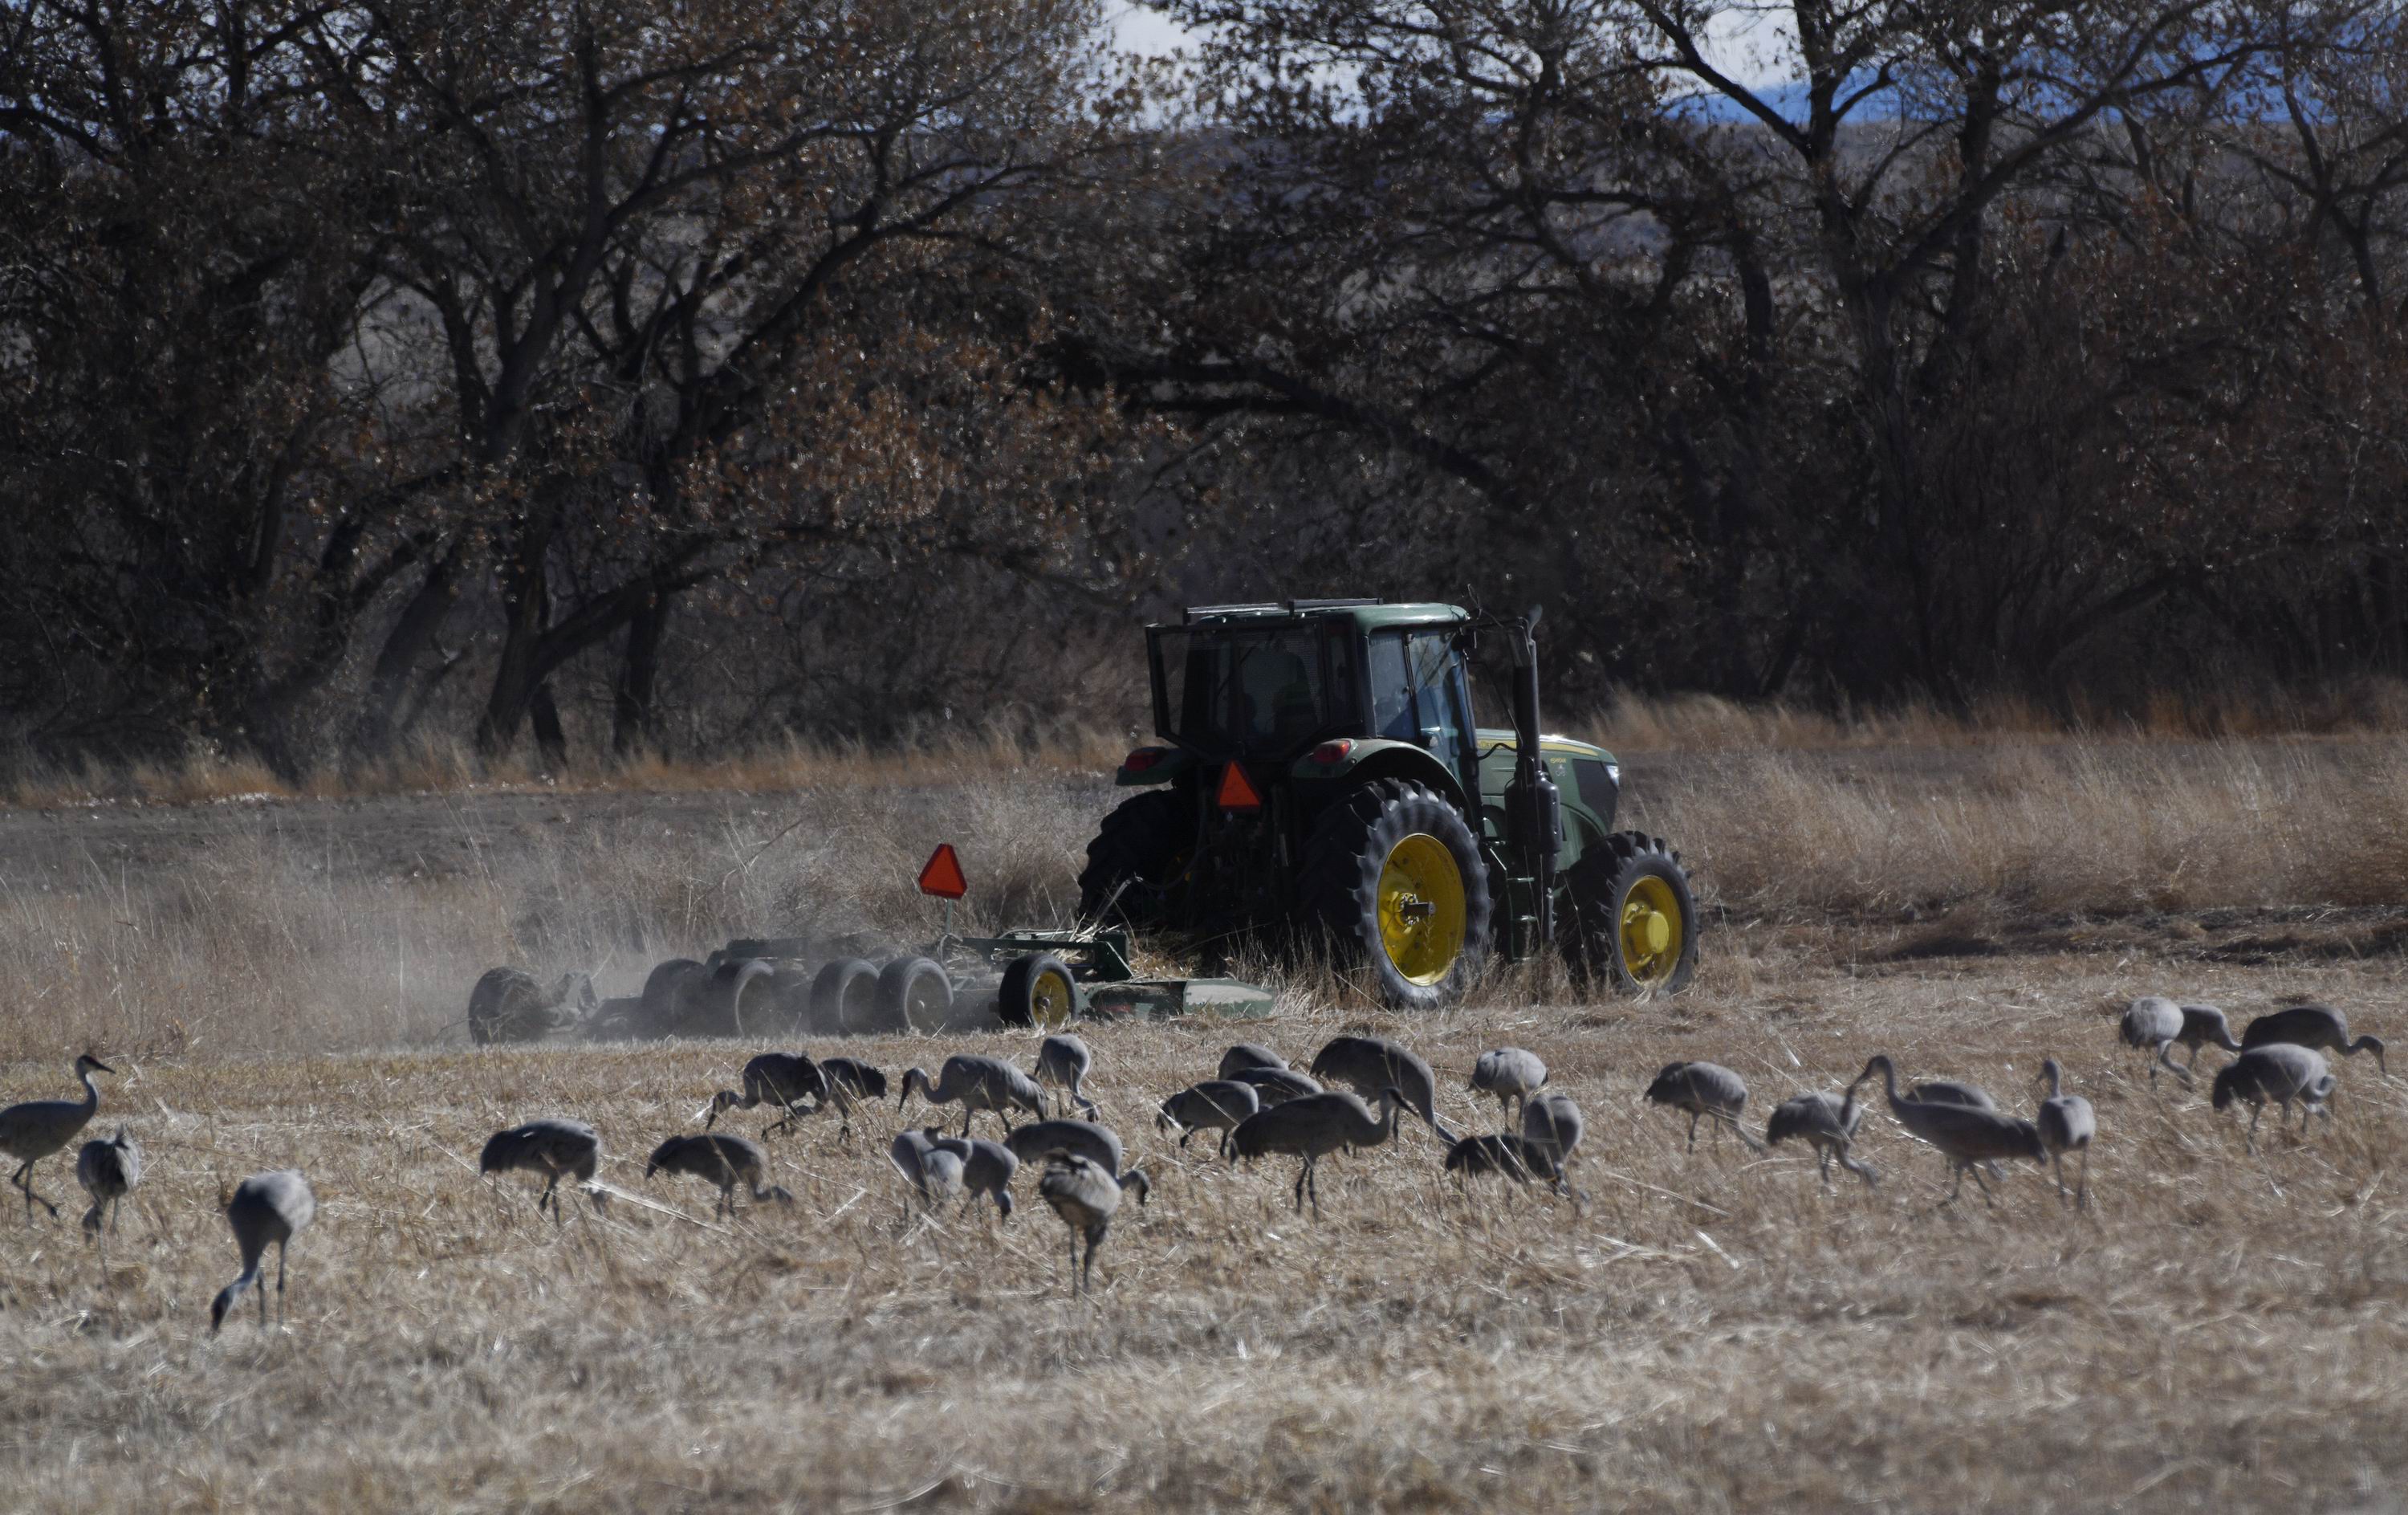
column 1613, row 772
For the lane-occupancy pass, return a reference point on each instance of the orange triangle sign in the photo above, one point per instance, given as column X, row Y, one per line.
column 942, row 876
column 1237, row 793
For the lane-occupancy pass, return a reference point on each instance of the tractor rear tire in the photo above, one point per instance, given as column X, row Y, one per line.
column 844, row 997
column 1037, row 991
column 1393, row 874
column 1632, row 920
column 665, row 997
column 504, row 1007
column 1144, row 843
column 913, row 994
column 740, row 998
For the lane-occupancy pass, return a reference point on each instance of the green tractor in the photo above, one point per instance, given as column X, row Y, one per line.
column 1322, row 770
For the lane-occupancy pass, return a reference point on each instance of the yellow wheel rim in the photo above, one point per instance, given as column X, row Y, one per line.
column 1422, row 908
column 1051, row 1000
column 1652, row 932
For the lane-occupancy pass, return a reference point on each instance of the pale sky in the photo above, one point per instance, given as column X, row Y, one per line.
column 1749, row 46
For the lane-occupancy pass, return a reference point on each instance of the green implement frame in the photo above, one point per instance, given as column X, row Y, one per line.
column 1107, row 988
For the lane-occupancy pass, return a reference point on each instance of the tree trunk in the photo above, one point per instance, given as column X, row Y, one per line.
column 551, row 741
column 413, row 634
column 634, row 719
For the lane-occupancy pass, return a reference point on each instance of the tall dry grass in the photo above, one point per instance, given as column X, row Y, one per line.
column 362, row 923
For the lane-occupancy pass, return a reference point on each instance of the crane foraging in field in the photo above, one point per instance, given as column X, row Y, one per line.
column 1274, row 1086
column 1248, row 1054
column 986, row 1167
column 788, row 1080
column 1099, row 1143
column 1552, row 1123
column 1062, row 1062
column 1968, row 1137
column 1312, row 1128
column 37, row 1128
column 2065, row 1124
column 265, row 1207
column 976, row 1083
column 1215, row 1104
column 2316, row 1027
column 109, row 1171
column 1372, row 1064
column 1826, row 1124
column 2280, row 1072
column 1509, row 1156
column 850, row 1082
column 722, row 1159
column 1707, row 1091
column 2203, row 1026
column 551, row 1146
column 2153, row 1024
column 1510, row 1074
column 1085, row 1197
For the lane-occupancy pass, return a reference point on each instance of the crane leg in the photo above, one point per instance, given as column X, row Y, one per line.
column 1074, row 1264
column 1302, row 1173
column 2056, row 1165
column 2082, row 1187
column 1693, row 1131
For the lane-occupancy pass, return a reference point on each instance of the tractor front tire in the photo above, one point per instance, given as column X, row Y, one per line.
column 1393, row 875
column 1632, row 920
column 1139, row 849
column 1038, row 991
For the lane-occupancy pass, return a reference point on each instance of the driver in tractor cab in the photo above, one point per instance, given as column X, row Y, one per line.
column 1277, row 688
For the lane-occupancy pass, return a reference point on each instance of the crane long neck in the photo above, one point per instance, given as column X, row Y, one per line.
column 90, row 1093
column 1889, row 1080
column 2049, row 1071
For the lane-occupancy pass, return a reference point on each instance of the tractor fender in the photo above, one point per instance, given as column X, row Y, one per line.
column 1153, row 765
column 1382, row 758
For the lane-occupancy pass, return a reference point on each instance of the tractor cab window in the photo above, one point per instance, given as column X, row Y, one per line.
column 1417, row 692
column 1266, row 693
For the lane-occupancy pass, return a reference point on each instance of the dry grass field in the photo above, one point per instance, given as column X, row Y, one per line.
column 279, row 983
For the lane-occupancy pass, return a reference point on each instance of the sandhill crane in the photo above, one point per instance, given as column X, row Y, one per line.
column 1275, row 1086
column 1085, row 1196
column 1248, row 1055
column 2203, row 1026
column 1952, row 1091
column 2280, row 1072
column 977, row 1084
column 1552, row 1123
column 37, row 1128
column 1313, row 1127
column 721, row 1158
column 1706, row 1090
column 1510, row 1074
column 2153, row 1024
column 550, row 1146
column 265, row 1207
column 940, row 1175
column 1828, row 1124
column 2065, row 1124
column 1968, row 1137
column 1099, row 1143
column 908, row 1152
column 109, row 1171
column 987, row 1166
column 1368, row 1065
column 788, row 1080
column 850, row 1082
column 1215, row 1104
column 2314, row 1026
column 1510, row 1157
column 1062, row 1061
